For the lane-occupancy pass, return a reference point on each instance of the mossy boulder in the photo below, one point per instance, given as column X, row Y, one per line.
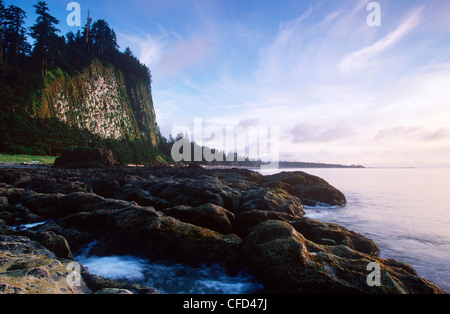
column 311, row 190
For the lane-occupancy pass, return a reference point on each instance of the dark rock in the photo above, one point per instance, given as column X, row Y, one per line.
column 246, row 220
column 136, row 194
column 289, row 263
column 268, row 199
column 76, row 238
column 26, row 267
column 57, row 206
column 85, row 158
column 18, row 245
column 114, row 291
column 208, row 216
column 55, row 243
column 333, row 234
column 141, row 231
column 310, row 189
column 97, row 284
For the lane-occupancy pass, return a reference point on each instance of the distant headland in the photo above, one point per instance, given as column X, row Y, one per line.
column 299, row 164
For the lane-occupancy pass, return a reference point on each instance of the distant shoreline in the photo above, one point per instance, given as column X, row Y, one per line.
column 296, row 164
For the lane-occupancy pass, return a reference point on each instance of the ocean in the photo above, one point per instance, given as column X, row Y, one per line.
column 406, row 211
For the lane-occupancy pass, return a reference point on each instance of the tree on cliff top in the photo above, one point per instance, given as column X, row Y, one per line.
column 104, row 38
column 2, row 24
column 14, row 41
column 44, row 33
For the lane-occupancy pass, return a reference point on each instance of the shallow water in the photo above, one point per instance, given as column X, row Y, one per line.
column 406, row 212
column 171, row 278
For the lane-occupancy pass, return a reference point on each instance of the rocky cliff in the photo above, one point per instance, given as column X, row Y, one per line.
column 101, row 99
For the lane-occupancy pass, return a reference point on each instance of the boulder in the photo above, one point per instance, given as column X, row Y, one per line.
column 56, row 244
column 333, row 234
column 114, row 291
column 271, row 199
column 100, row 285
column 57, row 205
column 85, row 158
column 311, row 190
column 208, row 216
column 244, row 221
column 29, row 268
column 287, row 262
column 143, row 232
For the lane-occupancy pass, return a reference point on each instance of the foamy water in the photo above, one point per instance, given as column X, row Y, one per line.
column 171, row 278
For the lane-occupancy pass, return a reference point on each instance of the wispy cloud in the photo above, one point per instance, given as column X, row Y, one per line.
column 360, row 59
column 150, row 47
column 184, row 53
column 413, row 133
column 310, row 133
column 169, row 54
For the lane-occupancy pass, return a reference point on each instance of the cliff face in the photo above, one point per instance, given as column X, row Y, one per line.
column 102, row 100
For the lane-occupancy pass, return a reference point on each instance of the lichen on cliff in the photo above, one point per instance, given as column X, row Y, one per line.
column 102, row 100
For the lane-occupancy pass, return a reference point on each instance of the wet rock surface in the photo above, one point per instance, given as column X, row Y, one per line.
column 194, row 216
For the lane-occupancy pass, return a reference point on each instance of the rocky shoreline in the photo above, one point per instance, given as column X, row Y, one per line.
column 190, row 215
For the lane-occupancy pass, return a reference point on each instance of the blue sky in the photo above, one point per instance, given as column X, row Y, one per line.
column 339, row 90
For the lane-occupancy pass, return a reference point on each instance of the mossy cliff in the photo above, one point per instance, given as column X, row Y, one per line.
column 99, row 105
column 102, row 100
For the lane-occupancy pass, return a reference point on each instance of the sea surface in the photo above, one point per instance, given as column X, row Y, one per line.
column 406, row 211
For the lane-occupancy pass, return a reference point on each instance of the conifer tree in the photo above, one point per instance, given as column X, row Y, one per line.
column 104, row 38
column 43, row 32
column 2, row 25
column 15, row 40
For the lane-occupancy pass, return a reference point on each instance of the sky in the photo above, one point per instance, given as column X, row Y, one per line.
column 336, row 89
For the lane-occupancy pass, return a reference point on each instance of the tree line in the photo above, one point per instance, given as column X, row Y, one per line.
column 24, row 66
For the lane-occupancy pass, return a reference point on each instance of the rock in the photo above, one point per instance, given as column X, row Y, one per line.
column 208, row 216
column 144, row 198
column 17, row 245
column 28, row 268
column 239, row 178
column 268, row 199
column 187, row 215
column 141, row 231
column 55, row 243
column 85, row 158
column 192, row 192
column 3, row 202
column 287, row 262
column 114, row 291
column 99, row 284
column 311, row 190
column 75, row 238
column 246, row 220
column 57, row 206
column 333, row 234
